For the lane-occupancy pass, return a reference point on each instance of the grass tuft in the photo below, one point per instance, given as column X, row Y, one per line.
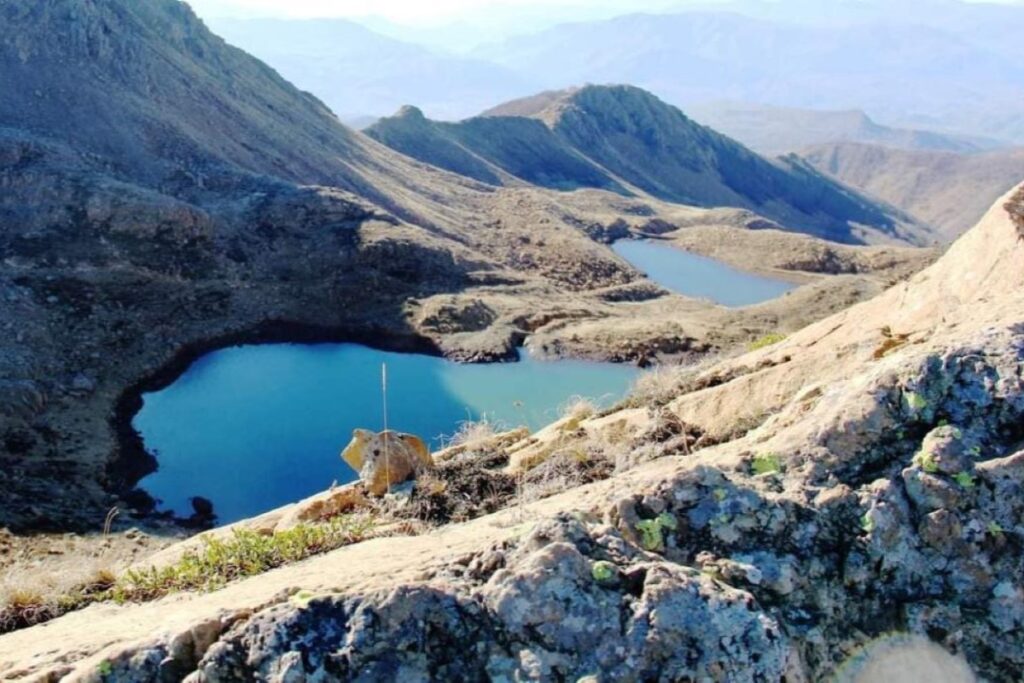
column 246, row 553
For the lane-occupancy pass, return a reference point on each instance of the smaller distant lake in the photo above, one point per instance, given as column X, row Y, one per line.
column 255, row 427
column 699, row 277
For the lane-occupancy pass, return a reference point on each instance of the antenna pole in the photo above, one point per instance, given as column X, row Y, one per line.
column 384, row 395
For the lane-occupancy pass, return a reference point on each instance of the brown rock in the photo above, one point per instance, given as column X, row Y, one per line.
column 386, row 458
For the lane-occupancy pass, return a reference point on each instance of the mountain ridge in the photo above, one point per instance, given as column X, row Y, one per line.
column 630, row 136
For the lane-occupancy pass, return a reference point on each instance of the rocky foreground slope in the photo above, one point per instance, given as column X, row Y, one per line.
column 621, row 137
column 860, row 478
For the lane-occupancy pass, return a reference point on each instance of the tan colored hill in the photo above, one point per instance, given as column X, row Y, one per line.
column 947, row 190
column 625, row 139
column 782, row 515
column 780, row 130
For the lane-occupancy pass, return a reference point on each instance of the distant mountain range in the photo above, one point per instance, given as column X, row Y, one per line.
column 928, row 65
column 624, row 139
column 901, row 72
column 778, row 130
column 946, row 190
column 358, row 72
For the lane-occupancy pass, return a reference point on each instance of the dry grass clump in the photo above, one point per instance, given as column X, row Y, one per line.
column 461, row 489
column 664, row 383
column 1015, row 207
column 45, row 577
column 473, row 434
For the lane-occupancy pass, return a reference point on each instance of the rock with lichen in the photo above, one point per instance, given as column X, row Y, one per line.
column 385, row 459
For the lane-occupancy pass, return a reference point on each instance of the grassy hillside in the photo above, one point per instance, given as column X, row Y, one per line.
column 946, row 190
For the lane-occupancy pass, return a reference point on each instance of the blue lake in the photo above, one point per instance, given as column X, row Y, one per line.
column 699, row 277
column 255, row 427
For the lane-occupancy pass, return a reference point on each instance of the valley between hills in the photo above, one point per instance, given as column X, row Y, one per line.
column 791, row 481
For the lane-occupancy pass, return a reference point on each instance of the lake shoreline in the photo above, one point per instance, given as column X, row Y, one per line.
column 134, row 462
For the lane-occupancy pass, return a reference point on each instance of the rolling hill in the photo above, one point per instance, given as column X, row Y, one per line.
column 946, row 190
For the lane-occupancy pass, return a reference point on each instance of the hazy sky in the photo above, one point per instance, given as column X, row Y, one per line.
column 433, row 11
column 409, row 11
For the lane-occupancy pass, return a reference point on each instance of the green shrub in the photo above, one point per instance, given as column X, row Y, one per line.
column 766, row 341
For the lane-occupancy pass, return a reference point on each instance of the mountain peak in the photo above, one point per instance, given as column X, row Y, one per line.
column 411, row 113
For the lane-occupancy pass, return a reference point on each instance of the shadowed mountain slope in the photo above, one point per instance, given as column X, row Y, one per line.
column 598, row 136
column 491, row 149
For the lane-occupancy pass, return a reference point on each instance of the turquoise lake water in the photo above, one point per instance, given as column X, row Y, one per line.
column 698, row 276
column 255, row 427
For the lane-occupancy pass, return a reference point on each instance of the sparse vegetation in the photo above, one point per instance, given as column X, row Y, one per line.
column 245, row 553
column 575, row 410
column 965, row 480
column 927, row 463
column 766, row 463
column 220, row 561
column 652, row 531
column 767, row 340
column 915, row 401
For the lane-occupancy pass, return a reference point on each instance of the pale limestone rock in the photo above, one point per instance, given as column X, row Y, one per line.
column 386, row 458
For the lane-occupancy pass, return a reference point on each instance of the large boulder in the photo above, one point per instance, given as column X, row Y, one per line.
column 386, row 458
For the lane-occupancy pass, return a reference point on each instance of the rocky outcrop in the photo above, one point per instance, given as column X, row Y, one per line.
column 386, row 459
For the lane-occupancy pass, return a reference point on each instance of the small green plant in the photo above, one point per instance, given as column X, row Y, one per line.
column 105, row 668
column 915, row 401
column 302, row 598
column 766, row 341
column 767, row 463
column 867, row 523
column 995, row 529
column 927, row 462
column 720, row 494
column 965, row 480
column 652, row 531
column 604, row 572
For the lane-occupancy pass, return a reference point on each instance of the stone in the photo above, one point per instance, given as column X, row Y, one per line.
column 386, row 458
column 947, row 450
column 339, row 501
column 930, row 492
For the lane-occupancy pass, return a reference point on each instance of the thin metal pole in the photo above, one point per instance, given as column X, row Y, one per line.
column 384, row 394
